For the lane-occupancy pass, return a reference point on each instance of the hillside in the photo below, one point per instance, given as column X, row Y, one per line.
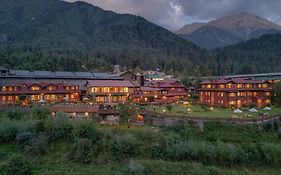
column 233, row 29
column 252, row 56
column 52, row 32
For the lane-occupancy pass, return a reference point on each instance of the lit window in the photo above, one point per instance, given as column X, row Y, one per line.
column 209, row 86
column 3, row 98
column 10, row 98
column 222, row 86
column 51, row 88
column 35, row 88
column 229, row 85
column 231, row 94
column 4, row 88
column 265, row 85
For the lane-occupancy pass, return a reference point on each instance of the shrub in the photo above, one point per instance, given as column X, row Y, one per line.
column 34, row 144
column 169, row 107
column 86, row 129
column 16, row 165
column 135, row 168
column 60, row 127
column 124, row 146
column 156, row 151
column 40, row 113
column 82, row 151
column 8, row 131
column 270, row 153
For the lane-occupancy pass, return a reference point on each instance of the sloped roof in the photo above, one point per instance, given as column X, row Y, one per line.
column 146, row 89
column 109, row 83
column 122, row 73
column 169, row 83
column 234, row 80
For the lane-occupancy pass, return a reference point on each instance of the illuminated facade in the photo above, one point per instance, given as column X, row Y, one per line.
column 237, row 92
column 166, row 91
column 115, row 91
column 33, row 92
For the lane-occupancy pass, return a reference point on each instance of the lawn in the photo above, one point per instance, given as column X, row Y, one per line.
column 179, row 110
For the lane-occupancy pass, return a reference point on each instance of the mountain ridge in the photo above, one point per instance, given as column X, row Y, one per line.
column 241, row 25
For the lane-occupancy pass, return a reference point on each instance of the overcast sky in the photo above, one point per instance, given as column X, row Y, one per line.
column 173, row 14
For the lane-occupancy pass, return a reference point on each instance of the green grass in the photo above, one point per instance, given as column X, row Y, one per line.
column 179, row 110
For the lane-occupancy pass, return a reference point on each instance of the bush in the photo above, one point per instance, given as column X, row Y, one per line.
column 86, row 129
column 60, row 127
column 82, row 151
column 169, row 107
column 8, row 131
column 270, row 153
column 40, row 113
column 34, row 144
column 124, row 146
column 135, row 168
column 16, row 165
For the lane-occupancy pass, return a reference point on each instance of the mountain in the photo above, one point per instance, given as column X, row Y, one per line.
column 228, row 30
column 58, row 35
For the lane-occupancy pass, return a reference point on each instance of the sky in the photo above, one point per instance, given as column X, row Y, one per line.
column 173, row 14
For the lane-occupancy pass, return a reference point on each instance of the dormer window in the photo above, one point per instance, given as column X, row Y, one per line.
column 35, row 88
column 51, row 88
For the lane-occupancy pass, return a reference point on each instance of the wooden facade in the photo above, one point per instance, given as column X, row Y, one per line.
column 109, row 91
column 236, row 92
column 159, row 92
column 34, row 92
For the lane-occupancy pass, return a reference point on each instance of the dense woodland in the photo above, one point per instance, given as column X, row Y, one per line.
column 56, row 35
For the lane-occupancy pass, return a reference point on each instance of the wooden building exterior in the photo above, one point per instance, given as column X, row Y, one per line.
column 161, row 92
column 112, row 91
column 34, row 92
column 236, row 92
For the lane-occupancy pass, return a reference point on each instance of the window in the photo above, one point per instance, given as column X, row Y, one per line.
column 239, row 86
column 265, row 85
column 51, row 88
column 10, row 88
column 35, row 88
column 209, row 86
column 231, row 94
column 268, row 94
column 229, row 85
column 10, row 98
column 3, row 98
column 232, row 102
column 3, row 88
column 222, row 86
column 248, row 85
column 220, row 94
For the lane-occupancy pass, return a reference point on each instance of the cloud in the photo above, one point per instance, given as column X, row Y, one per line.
column 173, row 14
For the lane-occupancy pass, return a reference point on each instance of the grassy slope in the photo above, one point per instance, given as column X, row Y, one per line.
column 198, row 111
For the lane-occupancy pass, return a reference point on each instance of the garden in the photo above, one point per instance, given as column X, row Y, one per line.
column 36, row 143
